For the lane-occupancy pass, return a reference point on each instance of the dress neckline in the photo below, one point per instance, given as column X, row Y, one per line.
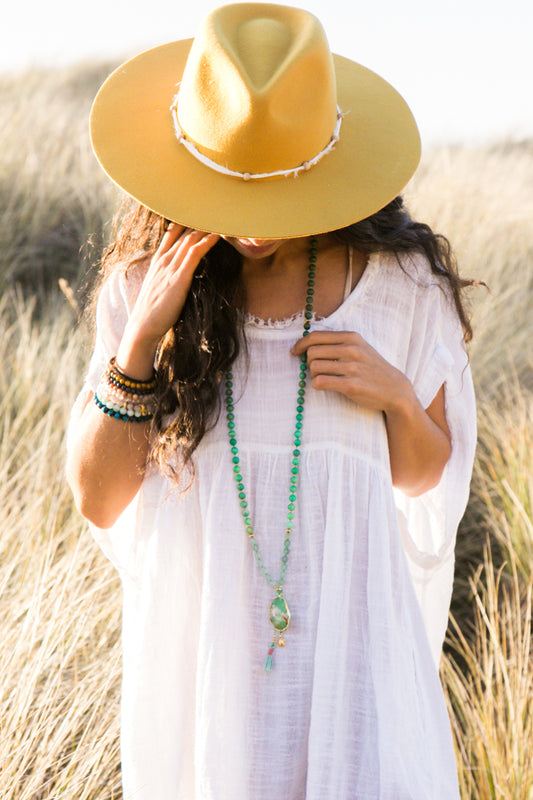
column 287, row 323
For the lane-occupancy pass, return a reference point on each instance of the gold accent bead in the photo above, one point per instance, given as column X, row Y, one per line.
column 281, row 642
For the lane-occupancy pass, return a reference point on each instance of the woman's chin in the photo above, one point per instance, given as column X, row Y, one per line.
column 255, row 248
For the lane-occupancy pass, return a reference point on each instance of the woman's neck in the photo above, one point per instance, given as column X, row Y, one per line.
column 275, row 286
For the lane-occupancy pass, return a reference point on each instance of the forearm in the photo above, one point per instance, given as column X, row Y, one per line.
column 106, row 463
column 418, row 447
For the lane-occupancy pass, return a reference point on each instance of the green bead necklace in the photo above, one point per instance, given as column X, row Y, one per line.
column 280, row 615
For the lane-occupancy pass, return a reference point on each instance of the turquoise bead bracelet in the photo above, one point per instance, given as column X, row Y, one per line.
column 120, row 413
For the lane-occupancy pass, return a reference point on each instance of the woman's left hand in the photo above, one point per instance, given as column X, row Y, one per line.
column 419, row 440
column 344, row 362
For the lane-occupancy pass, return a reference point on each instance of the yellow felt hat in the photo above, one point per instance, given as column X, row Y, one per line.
column 254, row 129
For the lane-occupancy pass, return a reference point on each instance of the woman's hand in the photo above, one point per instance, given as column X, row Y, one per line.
column 162, row 297
column 418, row 439
column 344, row 362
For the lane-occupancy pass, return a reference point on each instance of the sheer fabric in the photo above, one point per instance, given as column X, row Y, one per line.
column 353, row 709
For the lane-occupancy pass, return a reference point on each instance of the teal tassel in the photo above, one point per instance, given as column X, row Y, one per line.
column 269, row 661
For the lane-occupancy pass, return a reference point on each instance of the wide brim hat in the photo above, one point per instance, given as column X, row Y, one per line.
column 254, row 129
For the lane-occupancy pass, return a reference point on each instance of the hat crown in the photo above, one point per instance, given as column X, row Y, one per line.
column 262, row 46
column 258, row 90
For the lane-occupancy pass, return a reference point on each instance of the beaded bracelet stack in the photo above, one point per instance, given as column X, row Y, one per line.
column 123, row 398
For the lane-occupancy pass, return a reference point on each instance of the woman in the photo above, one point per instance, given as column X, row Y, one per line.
column 283, row 510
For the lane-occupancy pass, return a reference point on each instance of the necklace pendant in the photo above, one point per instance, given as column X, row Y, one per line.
column 280, row 615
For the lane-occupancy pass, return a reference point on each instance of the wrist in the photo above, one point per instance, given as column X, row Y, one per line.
column 136, row 355
column 403, row 403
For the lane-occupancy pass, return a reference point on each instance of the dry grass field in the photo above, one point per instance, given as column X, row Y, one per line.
column 60, row 599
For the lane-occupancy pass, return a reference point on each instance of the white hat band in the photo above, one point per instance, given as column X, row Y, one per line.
column 250, row 176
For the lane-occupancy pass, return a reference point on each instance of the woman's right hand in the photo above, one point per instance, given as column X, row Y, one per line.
column 161, row 297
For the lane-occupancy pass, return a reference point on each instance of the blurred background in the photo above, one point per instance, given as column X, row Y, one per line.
column 466, row 70
column 464, row 66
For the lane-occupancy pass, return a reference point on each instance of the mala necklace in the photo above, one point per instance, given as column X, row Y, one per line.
column 280, row 615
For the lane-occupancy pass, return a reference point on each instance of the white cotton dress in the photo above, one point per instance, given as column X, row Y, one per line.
column 353, row 709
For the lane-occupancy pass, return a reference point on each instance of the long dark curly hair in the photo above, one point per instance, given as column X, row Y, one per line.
column 208, row 336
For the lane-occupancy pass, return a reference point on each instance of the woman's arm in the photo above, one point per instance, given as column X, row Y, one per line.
column 419, row 440
column 107, row 456
column 105, row 464
column 419, row 443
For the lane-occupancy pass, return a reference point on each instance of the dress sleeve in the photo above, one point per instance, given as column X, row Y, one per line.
column 115, row 302
column 437, row 356
column 114, row 306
